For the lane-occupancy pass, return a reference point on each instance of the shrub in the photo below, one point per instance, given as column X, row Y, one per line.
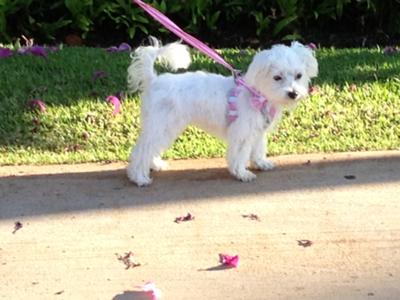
column 47, row 21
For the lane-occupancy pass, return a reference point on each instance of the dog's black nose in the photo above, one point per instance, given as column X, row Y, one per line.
column 292, row 95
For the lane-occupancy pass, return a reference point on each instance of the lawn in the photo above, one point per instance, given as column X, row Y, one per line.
column 355, row 107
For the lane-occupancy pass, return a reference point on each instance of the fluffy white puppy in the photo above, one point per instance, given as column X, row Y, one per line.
column 170, row 102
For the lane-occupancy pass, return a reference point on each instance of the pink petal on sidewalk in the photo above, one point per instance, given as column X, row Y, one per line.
column 117, row 104
column 188, row 217
column 252, row 217
column 37, row 104
column 17, row 226
column 128, row 260
column 151, row 289
column 229, row 260
column 304, row 243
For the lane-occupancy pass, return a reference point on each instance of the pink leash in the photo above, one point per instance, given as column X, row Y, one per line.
column 183, row 35
column 258, row 100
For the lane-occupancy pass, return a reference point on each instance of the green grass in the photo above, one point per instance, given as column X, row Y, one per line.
column 78, row 125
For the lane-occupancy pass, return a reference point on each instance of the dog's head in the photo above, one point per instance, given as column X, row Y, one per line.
column 283, row 73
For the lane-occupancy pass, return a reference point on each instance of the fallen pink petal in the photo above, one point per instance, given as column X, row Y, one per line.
column 38, row 51
column 304, row 243
column 151, row 289
column 120, row 95
column 5, row 52
column 252, row 217
column 390, row 50
column 117, row 104
column 188, row 217
column 99, row 75
column 112, row 49
column 312, row 46
column 17, row 226
column 23, row 50
column 53, row 48
column 314, row 89
column 352, row 87
column 37, row 104
column 127, row 260
column 229, row 260
column 124, row 47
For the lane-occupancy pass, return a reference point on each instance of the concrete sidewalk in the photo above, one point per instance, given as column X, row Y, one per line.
column 76, row 220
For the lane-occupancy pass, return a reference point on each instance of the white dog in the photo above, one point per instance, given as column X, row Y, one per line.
column 170, row 102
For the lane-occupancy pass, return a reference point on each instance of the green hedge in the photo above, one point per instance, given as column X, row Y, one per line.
column 49, row 21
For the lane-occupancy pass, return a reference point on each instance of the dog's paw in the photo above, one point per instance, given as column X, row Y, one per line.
column 158, row 164
column 145, row 181
column 264, row 164
column 139, row 180
column 245, row 176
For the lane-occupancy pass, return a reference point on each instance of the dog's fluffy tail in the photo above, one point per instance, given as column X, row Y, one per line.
column 141, row 71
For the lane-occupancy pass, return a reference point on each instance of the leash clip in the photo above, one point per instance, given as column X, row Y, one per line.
column 236, row 74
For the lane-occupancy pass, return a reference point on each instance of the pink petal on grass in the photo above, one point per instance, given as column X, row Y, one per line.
column 124, row 47
column 313, row 89
column 38, row 51
column 229, row 260
column 150, row 289
column 53, row 48
column 33, row 50
column 23, row 50
column 117, row 104
column 390, row 50
column 121, row 95
column 112, row 49
column 312, row 46
column 5, row 52
column 99, row 75
column 37, row 104
column 352, row 87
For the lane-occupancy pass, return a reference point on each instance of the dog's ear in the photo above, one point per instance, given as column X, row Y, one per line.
column 307, row 55
column 258, row 67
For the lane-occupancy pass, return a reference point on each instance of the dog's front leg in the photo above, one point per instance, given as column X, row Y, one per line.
column 238, row 156
column 258, row 154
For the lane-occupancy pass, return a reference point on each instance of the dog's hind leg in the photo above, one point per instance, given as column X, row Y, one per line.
column 139, row 166
column 155, row 137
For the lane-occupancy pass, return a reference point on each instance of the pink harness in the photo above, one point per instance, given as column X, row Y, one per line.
column 258, row 100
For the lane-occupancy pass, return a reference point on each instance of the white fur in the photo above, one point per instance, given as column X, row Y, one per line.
column 170, row 102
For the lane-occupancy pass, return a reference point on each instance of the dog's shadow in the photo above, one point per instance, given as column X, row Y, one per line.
column 132, row 295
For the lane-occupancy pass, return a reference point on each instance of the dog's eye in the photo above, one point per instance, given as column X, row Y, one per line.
column 277, row 78
column 298, row 76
